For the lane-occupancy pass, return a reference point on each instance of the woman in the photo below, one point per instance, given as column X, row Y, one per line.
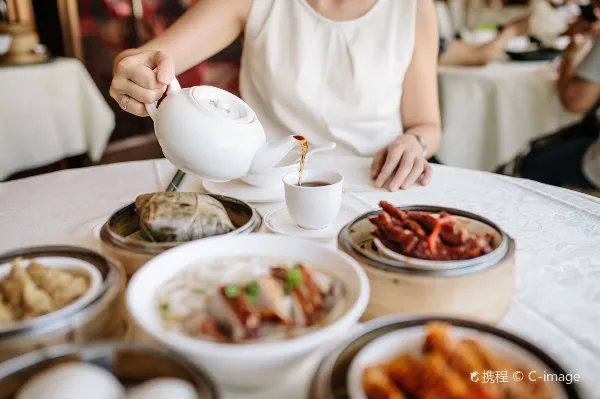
column 361, row 73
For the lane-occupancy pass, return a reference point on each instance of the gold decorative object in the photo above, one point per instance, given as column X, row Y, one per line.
column 25, row 44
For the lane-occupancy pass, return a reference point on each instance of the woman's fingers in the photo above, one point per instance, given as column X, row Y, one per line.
column 133, row 69
column 406, row 165
column 128, row 103
column 415, row 173
column 140, row 79
column 165, row 67
column 391, row 162
column 427, row 173
column 142, row 95
column 377, row 163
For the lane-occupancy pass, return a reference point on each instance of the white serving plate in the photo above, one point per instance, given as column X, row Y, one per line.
column 472, row 226
column 246, row 365
column 410, row 340
column 75, row 266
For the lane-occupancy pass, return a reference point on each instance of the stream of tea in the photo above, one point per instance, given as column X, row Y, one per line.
column 303, row 152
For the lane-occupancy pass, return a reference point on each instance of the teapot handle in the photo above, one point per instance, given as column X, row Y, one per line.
column 152, row 109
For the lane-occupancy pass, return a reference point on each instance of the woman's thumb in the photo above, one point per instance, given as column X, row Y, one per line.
column 165, row 67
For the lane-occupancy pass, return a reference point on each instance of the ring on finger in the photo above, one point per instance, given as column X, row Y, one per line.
column 124, row 102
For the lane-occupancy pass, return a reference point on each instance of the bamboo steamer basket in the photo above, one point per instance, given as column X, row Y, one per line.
column 330, row 379
column 479, row 289
column 131, row 364
column 103, row 318
column 132, row 254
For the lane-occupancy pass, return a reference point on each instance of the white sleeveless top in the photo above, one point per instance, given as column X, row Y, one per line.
column 327, row 80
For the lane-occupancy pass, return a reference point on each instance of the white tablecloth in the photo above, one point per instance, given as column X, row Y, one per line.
column 49, row 112
column 490, row 114
column 557, row 299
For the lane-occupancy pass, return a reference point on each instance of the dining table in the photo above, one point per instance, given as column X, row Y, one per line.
column 49, row 112
column 556, row 303
column 491, row 113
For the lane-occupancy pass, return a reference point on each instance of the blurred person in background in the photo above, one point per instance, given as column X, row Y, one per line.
column 572, row 158
column 455, row 51
column 361, row 73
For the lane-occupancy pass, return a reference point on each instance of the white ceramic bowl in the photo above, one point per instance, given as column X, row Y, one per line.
column 270, row 177
column 246, row 365
column 72, row 265
column 410, row 340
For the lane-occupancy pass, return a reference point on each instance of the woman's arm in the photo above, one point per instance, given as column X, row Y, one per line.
column 579, row 74
column 403, row 162
column 420, row 109
column 205, row 29
column 463, row 54
column 576, row 94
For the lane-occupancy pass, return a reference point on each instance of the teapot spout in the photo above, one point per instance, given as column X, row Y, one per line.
column 269, row 155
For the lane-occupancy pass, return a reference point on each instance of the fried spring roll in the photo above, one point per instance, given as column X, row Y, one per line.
column 460, row 357
column 411, row 374
column 511, row 388
column 378, row 385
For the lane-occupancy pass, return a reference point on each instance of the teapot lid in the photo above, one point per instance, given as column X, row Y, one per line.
column 219, row 103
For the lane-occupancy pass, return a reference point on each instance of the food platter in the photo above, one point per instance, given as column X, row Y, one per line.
column 245, row 364
column 332, row 377
column 76, row 267
column 481, row 290
column 130, row 363
column 115, row 234
column 361, row 239
column 99, row 318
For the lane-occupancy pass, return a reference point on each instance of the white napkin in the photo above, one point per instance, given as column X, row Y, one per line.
column 546, row 22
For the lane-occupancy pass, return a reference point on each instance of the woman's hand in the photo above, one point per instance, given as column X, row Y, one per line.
column 584, row 27
column 401, row 163
column 141, row 77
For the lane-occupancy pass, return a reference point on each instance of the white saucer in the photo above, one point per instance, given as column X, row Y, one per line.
column 245, row 192
column 280, row 222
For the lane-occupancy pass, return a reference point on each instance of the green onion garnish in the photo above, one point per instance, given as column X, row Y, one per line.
column 292, row 281
column 164, row 307
column 294, row 278
column 232, row 291
column 252, row 291
column 252, row 288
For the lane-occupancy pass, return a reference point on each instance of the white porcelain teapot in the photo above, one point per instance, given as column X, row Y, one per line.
column 214, row 135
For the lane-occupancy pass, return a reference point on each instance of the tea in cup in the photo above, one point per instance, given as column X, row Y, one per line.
column 316, row 202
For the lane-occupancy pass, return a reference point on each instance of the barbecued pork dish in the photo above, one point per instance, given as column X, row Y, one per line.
column 240, row 301
column 429, row 236
column 444, row 370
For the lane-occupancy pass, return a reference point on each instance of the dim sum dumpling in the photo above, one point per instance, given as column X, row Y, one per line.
column 175, row 217
column 22, row 293
column 5, row 312
column 62, row 286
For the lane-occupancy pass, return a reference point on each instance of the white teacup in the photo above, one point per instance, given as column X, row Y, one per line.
column 313, row 207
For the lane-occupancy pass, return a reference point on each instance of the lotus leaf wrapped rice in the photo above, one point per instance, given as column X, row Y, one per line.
column 176, row 217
